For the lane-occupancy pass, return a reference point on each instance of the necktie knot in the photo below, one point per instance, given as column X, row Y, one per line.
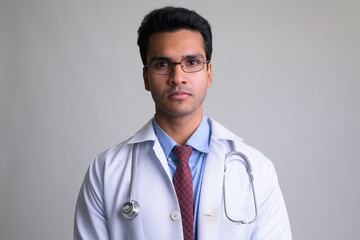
column 183, row 153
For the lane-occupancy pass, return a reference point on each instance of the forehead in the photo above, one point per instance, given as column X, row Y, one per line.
column 175, row 45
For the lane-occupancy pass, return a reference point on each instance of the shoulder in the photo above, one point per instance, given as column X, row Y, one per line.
column 123, row 149
column 262, row 166
column 109, row 159
column 235, row 143
column 265, row 176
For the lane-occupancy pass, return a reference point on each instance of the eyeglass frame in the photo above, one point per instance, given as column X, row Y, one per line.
column 173, row 64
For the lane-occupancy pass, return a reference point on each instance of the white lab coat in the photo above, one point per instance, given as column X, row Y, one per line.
column 106, row 188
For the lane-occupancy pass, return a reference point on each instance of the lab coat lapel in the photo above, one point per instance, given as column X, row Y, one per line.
column 146, row 134
column 211, row 193
column 162, row 158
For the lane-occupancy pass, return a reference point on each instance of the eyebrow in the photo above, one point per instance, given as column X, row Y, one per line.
column 159, row 58
column 164, row 58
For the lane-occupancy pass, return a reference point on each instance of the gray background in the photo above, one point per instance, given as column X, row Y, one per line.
column 285, row 78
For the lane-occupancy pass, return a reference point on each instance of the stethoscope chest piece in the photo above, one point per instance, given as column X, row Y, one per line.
column 130, row 209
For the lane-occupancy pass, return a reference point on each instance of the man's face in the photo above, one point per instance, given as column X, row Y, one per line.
column 178, row 93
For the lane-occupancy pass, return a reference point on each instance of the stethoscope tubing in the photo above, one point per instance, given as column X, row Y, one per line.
column 251, row 178
column 131, row 208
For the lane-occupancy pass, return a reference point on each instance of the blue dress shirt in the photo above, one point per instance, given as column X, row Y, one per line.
column 200, row 142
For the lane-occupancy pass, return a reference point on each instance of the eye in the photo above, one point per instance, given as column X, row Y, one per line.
column 191, row 62
column 161, row 64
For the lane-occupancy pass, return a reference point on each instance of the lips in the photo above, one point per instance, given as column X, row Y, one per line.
column 179, row 94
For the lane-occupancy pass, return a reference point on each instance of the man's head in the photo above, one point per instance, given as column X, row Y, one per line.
column 171, row 19
column 175, row 46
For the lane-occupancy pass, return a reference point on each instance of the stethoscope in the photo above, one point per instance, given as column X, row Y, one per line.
column 131, row 208
column 251, row 176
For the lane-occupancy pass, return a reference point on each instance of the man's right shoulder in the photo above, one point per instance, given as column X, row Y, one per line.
column 113, row 151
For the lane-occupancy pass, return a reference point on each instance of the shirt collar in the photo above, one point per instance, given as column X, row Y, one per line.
column 199, row 140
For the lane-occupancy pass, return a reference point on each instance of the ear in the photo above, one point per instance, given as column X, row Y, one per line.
column 209, row 72
column 146, row 79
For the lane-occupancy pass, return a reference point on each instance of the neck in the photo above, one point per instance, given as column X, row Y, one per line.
column 179, row 128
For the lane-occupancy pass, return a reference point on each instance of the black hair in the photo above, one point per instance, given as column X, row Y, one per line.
column 171, row 19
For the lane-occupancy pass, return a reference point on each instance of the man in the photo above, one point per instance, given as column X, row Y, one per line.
column 179, row 197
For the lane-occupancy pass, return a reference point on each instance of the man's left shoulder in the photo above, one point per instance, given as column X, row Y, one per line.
column 258, row 160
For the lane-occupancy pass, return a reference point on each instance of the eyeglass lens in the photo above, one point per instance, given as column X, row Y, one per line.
column 188, row 65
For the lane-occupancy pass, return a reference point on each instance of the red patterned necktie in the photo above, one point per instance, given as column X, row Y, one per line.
column 184, row 190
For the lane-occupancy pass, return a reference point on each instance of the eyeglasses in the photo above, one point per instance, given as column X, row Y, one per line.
column 188, row 65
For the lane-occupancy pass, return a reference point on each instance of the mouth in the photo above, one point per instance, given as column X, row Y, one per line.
column 179, row 95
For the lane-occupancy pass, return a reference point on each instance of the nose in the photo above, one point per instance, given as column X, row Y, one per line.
column 177, row 77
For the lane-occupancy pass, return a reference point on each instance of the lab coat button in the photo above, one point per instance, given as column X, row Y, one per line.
column 175, row 215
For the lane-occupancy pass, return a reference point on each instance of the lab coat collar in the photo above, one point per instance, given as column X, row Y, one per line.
column 218, row 132
column 146, row 133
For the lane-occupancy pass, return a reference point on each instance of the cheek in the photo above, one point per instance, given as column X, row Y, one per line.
column 203, row 83
column 201, row 90
column 156, row 90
